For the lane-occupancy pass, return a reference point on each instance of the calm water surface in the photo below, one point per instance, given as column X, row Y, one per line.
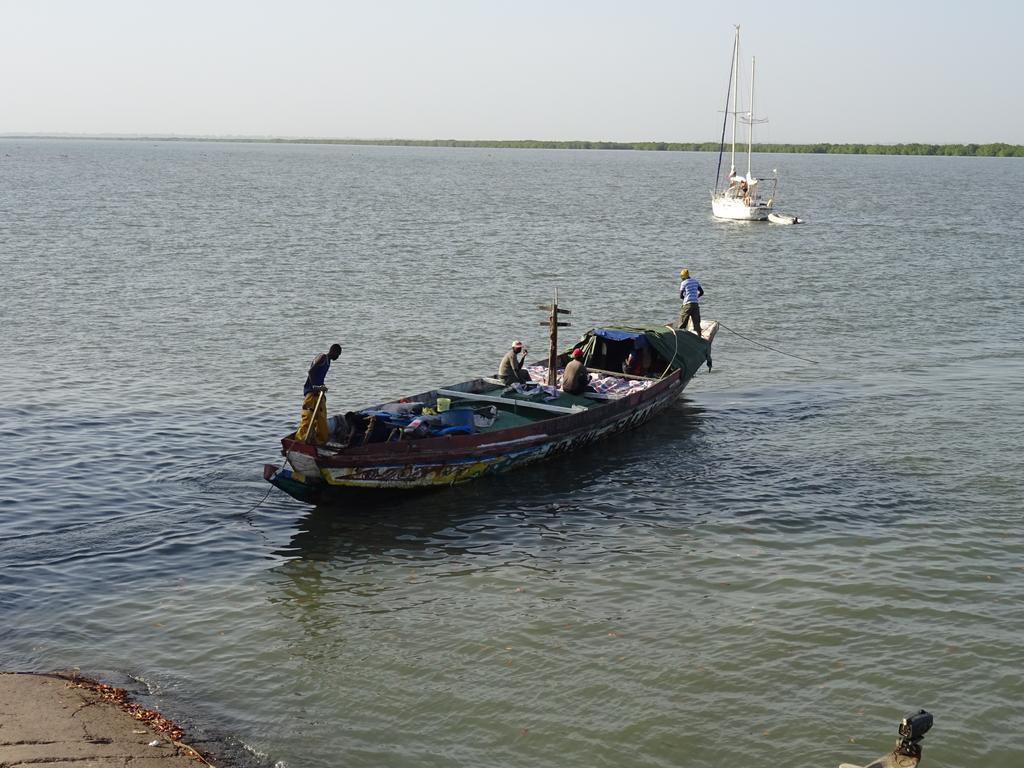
column 773, row 573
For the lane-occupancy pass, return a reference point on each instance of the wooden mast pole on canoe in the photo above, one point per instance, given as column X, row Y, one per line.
column 553, row 326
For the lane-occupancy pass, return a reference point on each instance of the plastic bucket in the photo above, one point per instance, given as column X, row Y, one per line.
column 443, row 403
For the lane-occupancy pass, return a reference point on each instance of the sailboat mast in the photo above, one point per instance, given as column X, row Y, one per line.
column 750, row 122
column 725, row 114
column 735, row 97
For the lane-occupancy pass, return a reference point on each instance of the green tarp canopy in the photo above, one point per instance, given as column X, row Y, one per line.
column 683, row 349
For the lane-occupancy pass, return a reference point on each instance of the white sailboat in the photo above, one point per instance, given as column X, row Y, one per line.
column 740, row 197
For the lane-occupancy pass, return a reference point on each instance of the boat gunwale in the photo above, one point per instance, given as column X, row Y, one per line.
column 483, row 444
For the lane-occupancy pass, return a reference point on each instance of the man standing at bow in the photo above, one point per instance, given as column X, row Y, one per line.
column 690, row 292
column 314, row 400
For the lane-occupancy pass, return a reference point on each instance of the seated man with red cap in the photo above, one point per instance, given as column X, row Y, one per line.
column 575, row 376
column 511, row 370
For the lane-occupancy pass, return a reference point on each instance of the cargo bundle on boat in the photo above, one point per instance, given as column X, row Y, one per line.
column 462, row 431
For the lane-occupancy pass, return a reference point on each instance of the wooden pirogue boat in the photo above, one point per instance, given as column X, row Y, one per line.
column 457, row 433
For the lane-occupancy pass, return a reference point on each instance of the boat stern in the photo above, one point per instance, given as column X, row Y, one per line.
column 292, row 483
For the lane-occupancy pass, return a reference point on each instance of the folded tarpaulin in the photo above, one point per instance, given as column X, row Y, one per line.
column 613, row 334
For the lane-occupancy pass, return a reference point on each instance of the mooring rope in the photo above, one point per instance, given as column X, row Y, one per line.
column 269, row 490
column 253, row 507
column 773, row 349
column 675, row 337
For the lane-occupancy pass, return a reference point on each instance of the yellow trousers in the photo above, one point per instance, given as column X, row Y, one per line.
column 314, row 411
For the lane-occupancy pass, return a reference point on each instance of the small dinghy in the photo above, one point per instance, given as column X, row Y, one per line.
column 783, row 218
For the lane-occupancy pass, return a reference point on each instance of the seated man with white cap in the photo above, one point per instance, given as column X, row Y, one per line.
column 510, row 371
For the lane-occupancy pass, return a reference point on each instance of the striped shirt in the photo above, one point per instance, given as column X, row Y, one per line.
column 689, row 290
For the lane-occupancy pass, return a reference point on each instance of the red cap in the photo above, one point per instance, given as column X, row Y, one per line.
column 577, row 352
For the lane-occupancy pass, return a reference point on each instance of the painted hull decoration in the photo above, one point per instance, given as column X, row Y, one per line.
column 461, row 432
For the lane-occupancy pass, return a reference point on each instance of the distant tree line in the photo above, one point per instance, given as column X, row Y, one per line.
column 949, row 150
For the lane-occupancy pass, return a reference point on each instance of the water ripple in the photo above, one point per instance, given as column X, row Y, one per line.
column 789, row 539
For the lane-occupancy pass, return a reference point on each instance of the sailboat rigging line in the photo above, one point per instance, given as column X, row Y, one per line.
column 773, row 349
column 725, row 117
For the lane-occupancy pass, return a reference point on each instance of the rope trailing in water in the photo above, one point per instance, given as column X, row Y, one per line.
column 271, row 488
column 253, row 507
column 267, row 494
column 773, row 349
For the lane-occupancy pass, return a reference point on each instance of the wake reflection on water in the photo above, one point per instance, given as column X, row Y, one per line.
column 505, row 512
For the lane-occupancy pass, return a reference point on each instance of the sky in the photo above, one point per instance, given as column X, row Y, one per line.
column 644, row 70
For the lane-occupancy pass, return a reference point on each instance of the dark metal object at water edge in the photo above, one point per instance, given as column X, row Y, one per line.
column 912, row 730
column 907, row 753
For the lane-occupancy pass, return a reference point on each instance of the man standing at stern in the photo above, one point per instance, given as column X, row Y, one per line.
column 314, row 398
column 690, row 292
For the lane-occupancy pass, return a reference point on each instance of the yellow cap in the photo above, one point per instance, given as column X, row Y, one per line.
column 684, row 273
